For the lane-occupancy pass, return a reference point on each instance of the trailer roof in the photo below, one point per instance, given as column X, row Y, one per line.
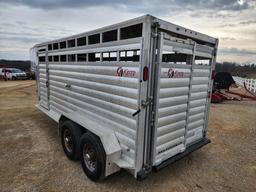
column 162, row 24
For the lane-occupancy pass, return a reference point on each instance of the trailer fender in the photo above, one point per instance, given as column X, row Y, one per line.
column 102, row 130
column 106, row 135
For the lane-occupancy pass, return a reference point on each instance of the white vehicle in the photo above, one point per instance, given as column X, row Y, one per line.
column 134, row 95
column 13, row 73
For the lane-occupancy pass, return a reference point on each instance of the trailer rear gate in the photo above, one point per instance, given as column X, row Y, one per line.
column 182, row 97
column 104, row 80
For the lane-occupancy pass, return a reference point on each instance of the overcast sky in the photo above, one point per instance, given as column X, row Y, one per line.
column 24, row 23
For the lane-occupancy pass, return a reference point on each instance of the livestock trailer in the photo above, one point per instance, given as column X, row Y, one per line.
column 133, row 96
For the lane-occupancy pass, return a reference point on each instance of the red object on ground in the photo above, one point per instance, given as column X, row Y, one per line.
column 222, row 96
column 215, row 98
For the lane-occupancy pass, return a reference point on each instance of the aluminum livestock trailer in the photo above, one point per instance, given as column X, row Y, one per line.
column 134, row 95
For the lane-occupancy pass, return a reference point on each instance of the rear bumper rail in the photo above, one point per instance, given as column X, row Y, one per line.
column 179, row 156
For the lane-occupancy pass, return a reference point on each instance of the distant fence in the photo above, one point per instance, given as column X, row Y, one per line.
column 250, row 83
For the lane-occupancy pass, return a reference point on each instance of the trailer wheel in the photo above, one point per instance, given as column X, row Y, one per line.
column 70, row 136
column 92, row 156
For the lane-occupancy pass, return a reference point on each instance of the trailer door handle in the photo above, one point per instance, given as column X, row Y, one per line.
column 136, row 112
column 144, row 104
column 67, row 85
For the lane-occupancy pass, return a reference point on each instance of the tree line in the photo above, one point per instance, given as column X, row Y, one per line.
column 235, row 69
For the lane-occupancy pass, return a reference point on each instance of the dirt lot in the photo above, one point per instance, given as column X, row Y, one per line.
column 31, row 157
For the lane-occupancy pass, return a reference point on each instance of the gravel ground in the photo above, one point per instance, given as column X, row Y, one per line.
column 31, row 157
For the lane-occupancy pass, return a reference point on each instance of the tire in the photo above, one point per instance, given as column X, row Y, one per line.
column 70, row 134
column 14, row 78
column 92, row 153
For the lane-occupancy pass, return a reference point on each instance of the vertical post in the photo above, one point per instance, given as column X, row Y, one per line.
column 155, row 91
column 189, row 93
column 47, row 77
column 210, row 84
column 118, row 34
column 143, row 87
column 100, row 38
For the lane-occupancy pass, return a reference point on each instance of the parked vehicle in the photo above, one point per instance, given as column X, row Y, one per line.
column 134, row 95
column 13, row 74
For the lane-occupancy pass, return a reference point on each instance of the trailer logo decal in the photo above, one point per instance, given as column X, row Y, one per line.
column 175, row 73
column 125, row 72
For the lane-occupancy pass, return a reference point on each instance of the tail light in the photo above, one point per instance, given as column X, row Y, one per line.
column 145, row 73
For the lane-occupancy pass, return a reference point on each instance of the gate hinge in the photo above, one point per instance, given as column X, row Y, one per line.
column 143, row 173
column 155, row 25
column 154, row 34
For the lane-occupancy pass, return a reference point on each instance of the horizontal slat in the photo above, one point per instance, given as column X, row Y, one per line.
column 195, row 110
column 168, row 146
column 179, row 66
column 111, row 80
column 162, row 112
column 200, row 80
column 201, row 74
column 42, row 76
column 174, row 82
column 202, row 67
column 44, row 98
column 198, row 95
column 198, row 134
column 42, row 71
column 62, row 108
column 195, row 124
column 197, row 103
column 42, row 87
column 43, row 94
column 199, row 88
column 192, row 132
column 43, row 81
column 43, row 104
column 171, row 119
column 170, row 136
column 42, row 65
column 171, row 101
column 170, row 127
column 99, row 70
column 196, row 117
column 172, row 92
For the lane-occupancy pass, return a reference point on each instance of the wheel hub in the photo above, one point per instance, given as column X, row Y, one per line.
column 89, row 157
column 68, row 142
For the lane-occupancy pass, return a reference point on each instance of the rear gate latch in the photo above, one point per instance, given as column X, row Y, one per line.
column 144, row 104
